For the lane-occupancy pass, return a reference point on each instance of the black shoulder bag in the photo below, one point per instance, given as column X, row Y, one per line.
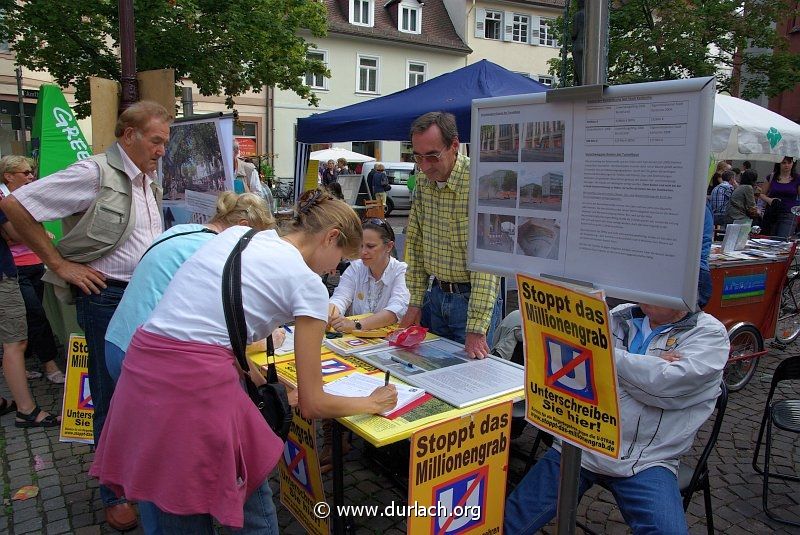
column 270, row 399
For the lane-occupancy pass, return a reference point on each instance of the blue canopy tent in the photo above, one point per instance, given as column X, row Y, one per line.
column 389, row 118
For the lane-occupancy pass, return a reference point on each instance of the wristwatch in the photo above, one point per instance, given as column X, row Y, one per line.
column 358, row 325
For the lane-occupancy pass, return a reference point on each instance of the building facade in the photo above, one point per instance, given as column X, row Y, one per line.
column 373, row 48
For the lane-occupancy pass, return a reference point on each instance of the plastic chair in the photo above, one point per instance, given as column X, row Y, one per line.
column 785, row 415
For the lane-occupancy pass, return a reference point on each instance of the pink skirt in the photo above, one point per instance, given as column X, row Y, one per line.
column 183, row 433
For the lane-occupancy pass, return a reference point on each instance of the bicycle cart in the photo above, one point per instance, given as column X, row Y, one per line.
column 755, row 300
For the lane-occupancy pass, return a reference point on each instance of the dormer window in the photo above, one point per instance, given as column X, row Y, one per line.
column 410, row 17
column 361, row 12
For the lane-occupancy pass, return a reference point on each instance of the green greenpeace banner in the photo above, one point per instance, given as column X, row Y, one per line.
column 57, row 139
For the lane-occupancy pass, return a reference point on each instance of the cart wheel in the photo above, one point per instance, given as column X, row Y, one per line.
column 788, row 326
column 745, row 340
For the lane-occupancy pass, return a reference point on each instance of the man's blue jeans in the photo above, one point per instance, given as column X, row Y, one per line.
column 445, row 314
column 94, row 314
column 649, row 501
column 260, row 517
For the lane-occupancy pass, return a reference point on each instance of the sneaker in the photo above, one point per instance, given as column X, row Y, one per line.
column 33, row 374
column 56, row 377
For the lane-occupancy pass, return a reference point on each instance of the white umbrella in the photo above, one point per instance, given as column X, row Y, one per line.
column 335, row 153
column 746, row 131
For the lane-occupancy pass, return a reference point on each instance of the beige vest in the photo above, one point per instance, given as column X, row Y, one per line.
column 108, row 222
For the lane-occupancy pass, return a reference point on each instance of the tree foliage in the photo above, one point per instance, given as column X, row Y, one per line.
column 671, row 39
column 225, row 47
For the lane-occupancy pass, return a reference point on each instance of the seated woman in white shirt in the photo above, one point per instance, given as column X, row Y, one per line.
column 375, row 284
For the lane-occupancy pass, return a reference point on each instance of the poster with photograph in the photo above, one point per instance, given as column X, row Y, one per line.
column 197, row 166
column 605, row 192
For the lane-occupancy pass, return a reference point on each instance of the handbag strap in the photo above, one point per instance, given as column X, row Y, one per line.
column 159, row 242
column 232, row 304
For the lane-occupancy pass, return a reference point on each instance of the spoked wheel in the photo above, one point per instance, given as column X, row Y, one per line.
column 788, row 327
column 745, row 340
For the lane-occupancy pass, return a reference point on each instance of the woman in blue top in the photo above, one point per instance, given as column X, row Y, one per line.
column 162, row 260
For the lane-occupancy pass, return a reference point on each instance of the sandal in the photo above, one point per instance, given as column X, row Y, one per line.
column 56, row 377
column 7, row 407
column 29, row 420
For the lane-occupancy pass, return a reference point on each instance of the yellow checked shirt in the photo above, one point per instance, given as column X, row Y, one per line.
column 436, row 244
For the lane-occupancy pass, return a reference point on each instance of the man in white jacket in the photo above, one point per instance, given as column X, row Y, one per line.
column 669, row 364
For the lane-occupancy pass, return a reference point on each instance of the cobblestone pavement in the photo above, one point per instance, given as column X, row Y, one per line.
column 69, row 502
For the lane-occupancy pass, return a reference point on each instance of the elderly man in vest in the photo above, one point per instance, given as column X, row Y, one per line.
column 111, row 209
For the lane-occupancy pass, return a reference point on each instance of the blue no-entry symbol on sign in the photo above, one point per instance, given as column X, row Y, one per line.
column 569, row 369
column 463, row 501
column 333, row 366
column 84, row 393
column 294, row 456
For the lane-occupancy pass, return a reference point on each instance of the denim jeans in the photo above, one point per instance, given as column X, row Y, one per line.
column 40, row 334
column 114, row 357
column 785, row 225
column 94, row 314
column 260, row 517
column 704, row 288
column 649, row 501
column 445, row 314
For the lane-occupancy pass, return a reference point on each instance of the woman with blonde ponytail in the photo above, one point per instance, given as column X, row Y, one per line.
column 203, row 451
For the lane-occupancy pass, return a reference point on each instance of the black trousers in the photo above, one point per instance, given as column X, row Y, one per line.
column 40, row 335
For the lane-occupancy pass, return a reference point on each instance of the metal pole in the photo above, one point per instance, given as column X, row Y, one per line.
column 127, row 46
column 188, row 102
column 595, row 67
column 21, row 133
column 596, row 52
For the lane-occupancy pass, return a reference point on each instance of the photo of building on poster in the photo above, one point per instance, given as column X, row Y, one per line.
column 541, row 191
column 538, row 237
column 496, row 232
column 498, row 189
column 499, row 143
column 543, row 141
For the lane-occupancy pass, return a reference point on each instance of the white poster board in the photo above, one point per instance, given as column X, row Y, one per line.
column 197, row 166
column 609, row 192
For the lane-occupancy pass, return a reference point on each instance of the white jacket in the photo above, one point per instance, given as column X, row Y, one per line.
column 663, row 404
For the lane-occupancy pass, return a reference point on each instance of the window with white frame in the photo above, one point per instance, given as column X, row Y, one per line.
column 361, row 12
column 493, row 24
column 519, row 33
column 317, row 81
column 546, row 33
column 367, row 74
column 546, row 80
column 416, row 73
column 410, row 19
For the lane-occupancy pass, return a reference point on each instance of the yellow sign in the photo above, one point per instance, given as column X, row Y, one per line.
column 301, row 482
column 457, row 477
column 76, row 407
column 571, row 380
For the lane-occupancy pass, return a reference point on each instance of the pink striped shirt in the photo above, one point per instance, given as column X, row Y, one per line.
column 73, row 191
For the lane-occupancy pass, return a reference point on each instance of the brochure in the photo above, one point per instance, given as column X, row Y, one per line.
column 361, row 385
column 443, row 369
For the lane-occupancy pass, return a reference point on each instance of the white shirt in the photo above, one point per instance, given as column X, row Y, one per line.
column 359, row 293
column 277, row 287
column 73, row 191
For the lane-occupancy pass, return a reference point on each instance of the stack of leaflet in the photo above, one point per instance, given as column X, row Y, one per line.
column 362, row 385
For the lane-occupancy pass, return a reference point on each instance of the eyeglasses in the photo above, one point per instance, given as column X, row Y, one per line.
column 383, row 224
column 430, row 158
column 28, row 172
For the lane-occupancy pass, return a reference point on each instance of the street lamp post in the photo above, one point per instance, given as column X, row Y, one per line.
column 127, row 45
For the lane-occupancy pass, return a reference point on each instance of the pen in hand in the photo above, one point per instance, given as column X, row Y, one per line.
column 386, row 382
column 286, row 328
